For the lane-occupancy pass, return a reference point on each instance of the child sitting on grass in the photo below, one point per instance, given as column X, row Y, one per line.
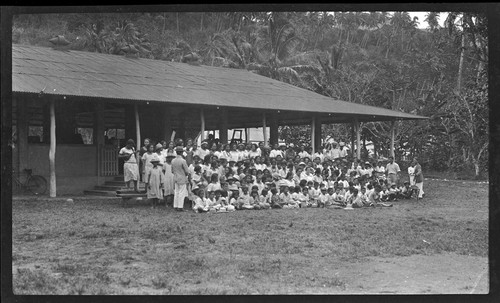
column 275, row 199
column 265, row 199
column 244, row 201
column 323, row 198
column 375, row 198
column 255, row 198
column 303, row 198
column 155, row 182
column 200, row 204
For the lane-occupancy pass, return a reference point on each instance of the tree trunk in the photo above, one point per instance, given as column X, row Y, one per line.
column 461, row 64
column 52, row 151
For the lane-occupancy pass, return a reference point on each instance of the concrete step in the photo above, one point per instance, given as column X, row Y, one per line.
column 108, row 187
column 115, row 183
column 118, row 178
column 95, row 192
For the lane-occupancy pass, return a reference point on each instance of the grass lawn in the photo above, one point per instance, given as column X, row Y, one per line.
column 436, row 245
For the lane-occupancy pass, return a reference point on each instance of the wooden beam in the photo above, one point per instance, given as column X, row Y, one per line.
column 137, row 127
column 313, row 134
column 264, row 128
column 223, row 129
column 273, row 130
column 358, row 138
column 52, row 151
column 317, row 135
column 202, row 118
column 393, row 124
column 99, row 136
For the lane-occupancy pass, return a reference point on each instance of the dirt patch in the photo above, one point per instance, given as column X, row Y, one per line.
column 418, row 274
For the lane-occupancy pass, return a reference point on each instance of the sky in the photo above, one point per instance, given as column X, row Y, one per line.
column 421, row 18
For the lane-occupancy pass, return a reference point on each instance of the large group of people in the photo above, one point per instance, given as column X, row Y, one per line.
column 244, row 176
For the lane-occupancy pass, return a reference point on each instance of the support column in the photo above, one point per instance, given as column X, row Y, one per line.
column 273, row 130
column 99, row 135
column 137, row 127
column 264, row 129
column 353, row 137
column 22, row 135
column 202, row 117
column 313, row 134
column 223, row 129
column 246, row 135
column 52, row 151
column 317, row 135
column 393, row 124
column 358, row 138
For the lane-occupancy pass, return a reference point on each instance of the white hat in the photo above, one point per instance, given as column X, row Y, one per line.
column 155, row 159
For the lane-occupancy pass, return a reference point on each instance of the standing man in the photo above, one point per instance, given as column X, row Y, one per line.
column 130, row 165
column 181, row 173
column 419, row 177
column 392, row 169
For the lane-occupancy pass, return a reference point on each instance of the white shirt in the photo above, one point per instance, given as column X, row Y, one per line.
column 274, row 153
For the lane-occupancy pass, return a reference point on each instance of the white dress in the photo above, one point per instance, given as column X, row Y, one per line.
column 411, row 173
column 130, row 167
column 168, row 187
column 155, row 179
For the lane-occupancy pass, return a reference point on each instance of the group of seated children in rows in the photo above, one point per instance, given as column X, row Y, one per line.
column 228, row 196
column 265, row 180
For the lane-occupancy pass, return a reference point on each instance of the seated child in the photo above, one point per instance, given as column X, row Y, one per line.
column 243, row 201
column 275, row 198
column 323, row 198
column 303, row 198
column 200, row 205
column 255, row 199
column 286, row 199
column 314, row 193
column 265, row 199
column 338, row 197
column 406, row 191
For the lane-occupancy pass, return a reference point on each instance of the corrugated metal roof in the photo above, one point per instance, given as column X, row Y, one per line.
column 117, row 77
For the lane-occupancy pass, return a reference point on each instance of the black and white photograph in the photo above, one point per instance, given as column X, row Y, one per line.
column 191, row 150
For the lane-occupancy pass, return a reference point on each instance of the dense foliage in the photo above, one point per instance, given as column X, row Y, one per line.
column 376, row 58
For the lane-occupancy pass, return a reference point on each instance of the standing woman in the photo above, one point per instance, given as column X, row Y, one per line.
column 419, row 177
column 130, row 165
column 144, row 149
column 181, row 172
column 168, row 188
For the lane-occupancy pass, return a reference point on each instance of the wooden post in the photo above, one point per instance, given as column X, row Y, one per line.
column 246, row 135
column 99, row 136
column 202, row 117
column 273, row 130
column 358, row 139
column 313, row 134
column 137, row 127
column 317, row 135
column 52, row 151
column 353, row 136
column 223, row 129
column 393, row 124
column 264, row 129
